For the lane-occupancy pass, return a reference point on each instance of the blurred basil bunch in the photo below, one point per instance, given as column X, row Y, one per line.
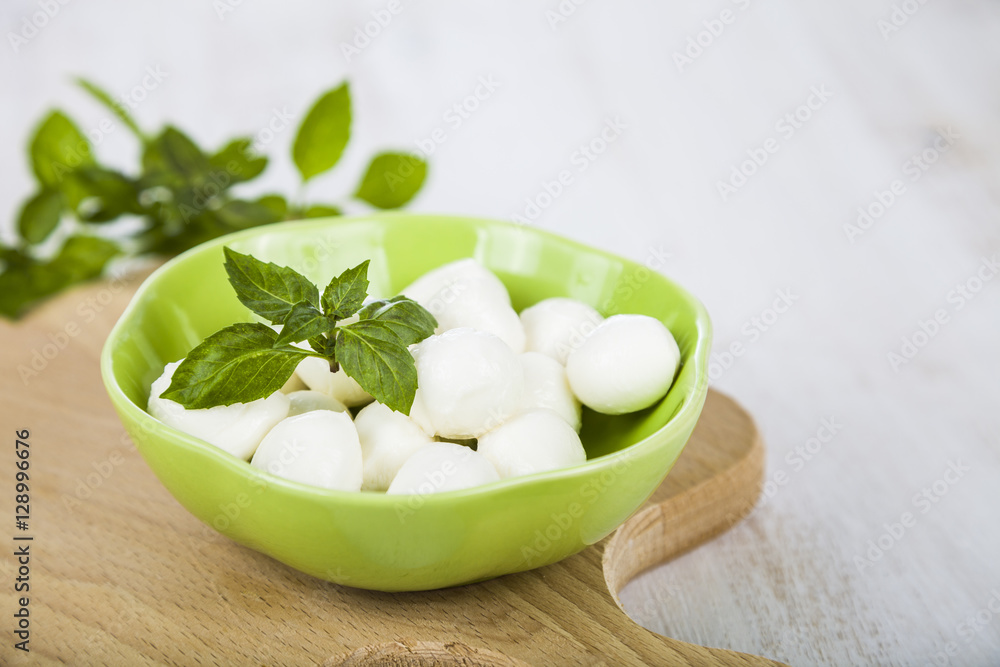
column 182, row 194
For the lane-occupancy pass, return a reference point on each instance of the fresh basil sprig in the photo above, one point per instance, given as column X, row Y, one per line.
column 247, row 361
column 182, row 193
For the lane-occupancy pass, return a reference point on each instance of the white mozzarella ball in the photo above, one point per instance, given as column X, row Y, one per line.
column 627, row 364
column 498, row 319
column 236, row 428
column 346, row 389
column 468, row 382
column 445, row 282
column 308, row 400
column 466, row 294
column 320, row 448
column 388, row 439
column 533, row 442
column 315, row 372
column 557, row 326
column 293, row 384
column 546, row 387
column 440, row 467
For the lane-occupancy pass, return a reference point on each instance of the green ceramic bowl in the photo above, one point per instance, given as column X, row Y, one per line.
column 403, row 543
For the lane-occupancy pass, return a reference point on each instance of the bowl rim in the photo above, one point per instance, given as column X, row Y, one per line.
column 688, row 411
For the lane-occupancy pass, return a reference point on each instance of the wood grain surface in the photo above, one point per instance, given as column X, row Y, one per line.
column 122, row 575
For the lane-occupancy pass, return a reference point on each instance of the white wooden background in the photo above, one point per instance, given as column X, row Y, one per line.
column 788, row 583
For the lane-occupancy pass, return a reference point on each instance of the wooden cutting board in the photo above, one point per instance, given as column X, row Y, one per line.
column 121, row 574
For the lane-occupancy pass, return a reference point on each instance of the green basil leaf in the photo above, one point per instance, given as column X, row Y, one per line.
column 173, row 158
column 15, row 257
column 324, row 133
column 277, row 204
column 321, row 211
column 392, row 180
column 241, row 214
column 237, row 162
column 116, row 108
column 40, row 215
column 267, row 289
column 345, row 293
column 83, row 258
column 107, row 194
column 237, row 364
column 323, row 345
column 191, row 237
column 304, row 321
column 57, row 148
column 26, row 281
column 17, row 293
column 406, row 318
column 178, row 226
column 382, row 365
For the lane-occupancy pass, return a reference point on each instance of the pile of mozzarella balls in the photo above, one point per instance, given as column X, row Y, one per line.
column 498, row 395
